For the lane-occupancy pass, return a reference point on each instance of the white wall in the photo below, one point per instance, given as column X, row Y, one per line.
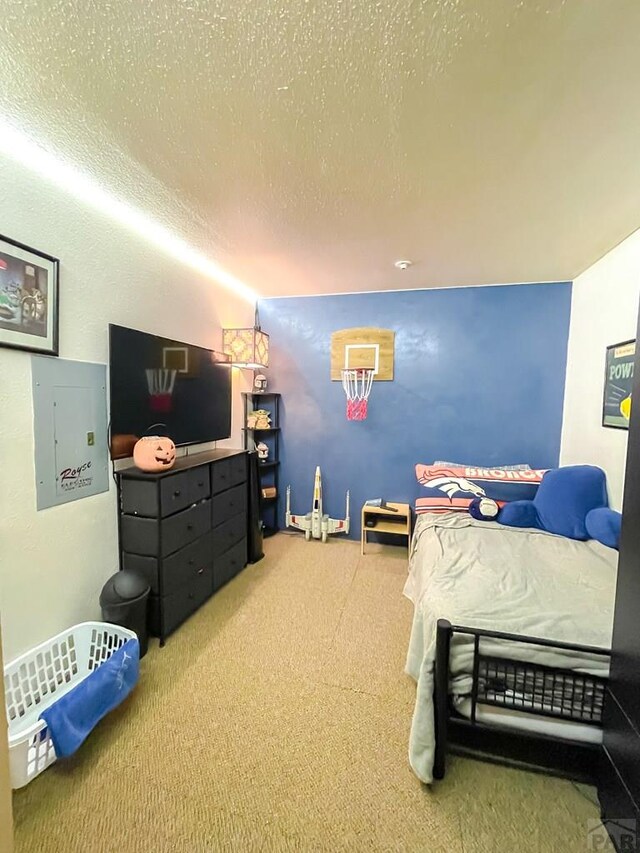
column 604, row 311
column 6, row 816
column 53, row 563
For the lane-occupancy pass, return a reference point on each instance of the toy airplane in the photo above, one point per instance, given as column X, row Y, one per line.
column 314, row 523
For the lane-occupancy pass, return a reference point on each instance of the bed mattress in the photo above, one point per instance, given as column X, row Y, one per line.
column 530, row 722
column 514, row 580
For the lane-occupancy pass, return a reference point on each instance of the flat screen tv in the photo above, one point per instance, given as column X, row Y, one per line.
column 164, row 387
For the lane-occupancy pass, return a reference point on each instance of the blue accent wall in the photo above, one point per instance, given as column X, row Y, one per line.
column 479, row 378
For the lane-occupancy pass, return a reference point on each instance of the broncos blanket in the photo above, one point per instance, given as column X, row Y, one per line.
column 75, row 715
column 451, row 489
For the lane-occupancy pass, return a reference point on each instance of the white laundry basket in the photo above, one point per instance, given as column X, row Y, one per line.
column 39, row 678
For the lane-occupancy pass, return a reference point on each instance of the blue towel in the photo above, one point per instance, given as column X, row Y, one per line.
column 75, row 715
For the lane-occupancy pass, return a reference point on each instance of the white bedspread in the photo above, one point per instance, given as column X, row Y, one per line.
column 523, row 581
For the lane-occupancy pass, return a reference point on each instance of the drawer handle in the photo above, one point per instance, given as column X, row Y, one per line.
column 200, row 571
column 200, row 484
column 177, row 493
column 189, row 526
column 192, row 562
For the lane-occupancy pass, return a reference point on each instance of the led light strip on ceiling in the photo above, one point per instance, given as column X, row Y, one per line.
column 20, row 147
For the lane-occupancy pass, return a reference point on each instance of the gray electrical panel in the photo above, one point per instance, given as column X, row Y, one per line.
column 70, row 429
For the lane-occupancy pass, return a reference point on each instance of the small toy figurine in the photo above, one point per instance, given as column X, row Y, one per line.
column 260, row 383
column 263, row 451
column 259, row 419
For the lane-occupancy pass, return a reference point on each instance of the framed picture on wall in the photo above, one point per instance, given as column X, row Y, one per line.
column 618, row 385
column 28, row 298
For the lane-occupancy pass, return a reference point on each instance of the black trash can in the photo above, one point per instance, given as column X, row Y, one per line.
column 123, row 601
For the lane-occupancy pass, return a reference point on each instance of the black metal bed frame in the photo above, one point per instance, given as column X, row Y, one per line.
column 517, row 685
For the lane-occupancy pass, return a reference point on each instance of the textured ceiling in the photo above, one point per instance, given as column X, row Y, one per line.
column 308, row 145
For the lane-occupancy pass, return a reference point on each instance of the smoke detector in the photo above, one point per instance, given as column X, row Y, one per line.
column 403, row 265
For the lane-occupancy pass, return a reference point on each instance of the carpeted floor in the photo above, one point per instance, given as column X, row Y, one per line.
column 277, row 719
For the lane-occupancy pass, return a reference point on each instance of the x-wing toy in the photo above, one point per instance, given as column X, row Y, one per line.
column 314, row 523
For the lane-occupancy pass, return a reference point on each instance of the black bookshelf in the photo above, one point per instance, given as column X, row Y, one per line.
column 267, row 471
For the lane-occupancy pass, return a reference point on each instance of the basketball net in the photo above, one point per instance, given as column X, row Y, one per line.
column 160, row 383
column 357, row 386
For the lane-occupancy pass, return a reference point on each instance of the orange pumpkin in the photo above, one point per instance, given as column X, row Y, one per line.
column 154, row 453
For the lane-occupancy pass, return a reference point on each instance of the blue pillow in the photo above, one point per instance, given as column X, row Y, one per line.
column 604, row 525
column 519, row 514
column 566, row 495
column 561, row 504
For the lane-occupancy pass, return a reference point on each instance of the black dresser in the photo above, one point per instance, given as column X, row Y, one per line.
column 185, row 530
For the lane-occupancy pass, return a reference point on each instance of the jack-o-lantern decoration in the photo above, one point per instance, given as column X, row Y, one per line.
column 154, row 453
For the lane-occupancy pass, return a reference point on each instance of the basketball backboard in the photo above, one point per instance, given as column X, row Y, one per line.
column 363, row 347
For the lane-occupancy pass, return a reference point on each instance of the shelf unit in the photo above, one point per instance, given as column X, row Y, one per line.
column 267, row 471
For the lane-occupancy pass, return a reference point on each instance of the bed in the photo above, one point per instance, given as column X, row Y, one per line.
column 509, row 644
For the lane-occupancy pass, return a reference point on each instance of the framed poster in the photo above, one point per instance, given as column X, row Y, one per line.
column 618, row 385
column 28, row 298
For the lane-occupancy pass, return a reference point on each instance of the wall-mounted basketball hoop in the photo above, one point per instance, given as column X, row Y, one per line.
column 360, row 357
column 357, row 386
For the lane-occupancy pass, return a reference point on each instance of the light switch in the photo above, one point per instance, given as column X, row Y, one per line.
column 91, row 439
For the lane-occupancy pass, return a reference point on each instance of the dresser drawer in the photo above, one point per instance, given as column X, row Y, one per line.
column 168, row 612
column 199, row 483
column 166, row 496
column 142, row 535
column 227, row 534
column 228, row 472
column 140, row 497
column 227, row 504
column 175, row 493
column 180, row 529
column 172, row 572
column 187, row 564
column 227, row 565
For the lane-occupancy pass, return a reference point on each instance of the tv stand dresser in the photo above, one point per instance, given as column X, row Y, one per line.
column 184, row 530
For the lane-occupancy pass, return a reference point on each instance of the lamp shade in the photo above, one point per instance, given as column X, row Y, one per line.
column 246, row 347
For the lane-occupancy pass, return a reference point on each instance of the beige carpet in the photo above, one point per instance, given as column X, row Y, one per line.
column 277, row 719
